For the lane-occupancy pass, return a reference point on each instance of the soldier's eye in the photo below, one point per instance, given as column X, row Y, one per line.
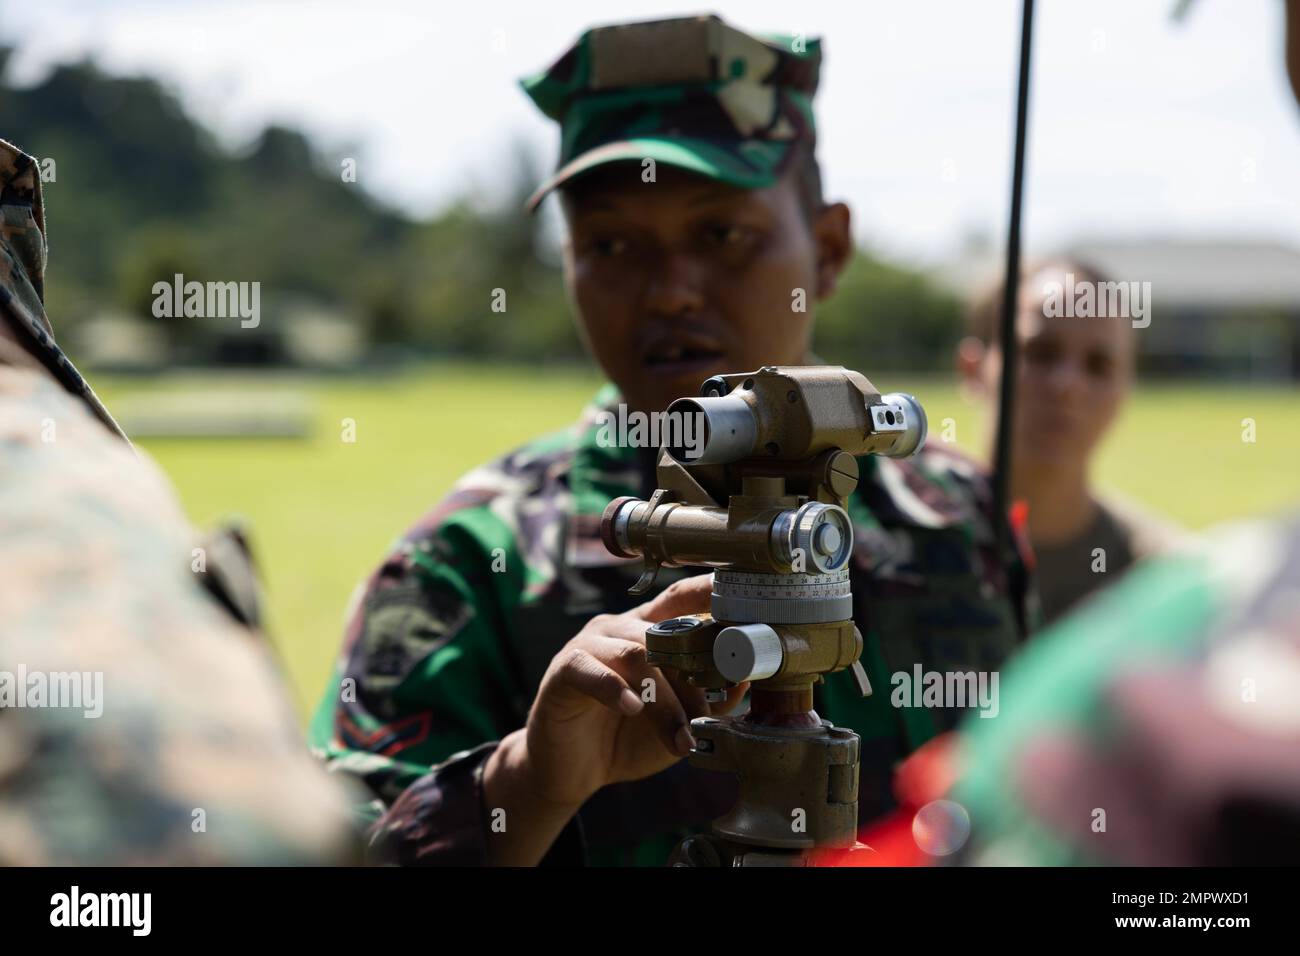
column 608, row 246
column 725, row 236
column 1042, row 352
column 1100, row 365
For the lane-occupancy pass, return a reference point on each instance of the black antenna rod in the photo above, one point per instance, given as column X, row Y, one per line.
column 1010, row 352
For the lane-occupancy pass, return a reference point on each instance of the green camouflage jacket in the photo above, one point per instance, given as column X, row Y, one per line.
column 446, row 647
column 1157, row 726
column 139, row 723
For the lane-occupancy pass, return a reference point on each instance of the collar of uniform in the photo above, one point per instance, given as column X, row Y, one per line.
column 935, row 490
column 917, row 491
column 599, row 472
column 600, row 464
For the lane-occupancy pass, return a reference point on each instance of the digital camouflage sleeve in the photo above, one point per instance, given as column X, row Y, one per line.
column 138, row 722
column 448, row 640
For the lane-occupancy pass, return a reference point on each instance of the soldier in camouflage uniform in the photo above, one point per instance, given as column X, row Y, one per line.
column 187, row 753
column 486, row 729
column 1158, row 726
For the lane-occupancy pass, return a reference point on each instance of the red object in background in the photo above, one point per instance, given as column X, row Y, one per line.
column 1018, row 517
column 923, row 777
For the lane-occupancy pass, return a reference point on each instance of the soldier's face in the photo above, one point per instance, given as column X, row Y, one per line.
column 682, row 278
column 1075, row 373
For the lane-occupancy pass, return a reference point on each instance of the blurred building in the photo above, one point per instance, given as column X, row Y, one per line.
column 1218, row 307
column 294, row 332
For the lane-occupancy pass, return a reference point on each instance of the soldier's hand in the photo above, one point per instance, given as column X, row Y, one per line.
column 603, row 715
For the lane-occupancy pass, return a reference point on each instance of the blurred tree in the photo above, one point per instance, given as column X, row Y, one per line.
column 886, row 316
column 144, row 192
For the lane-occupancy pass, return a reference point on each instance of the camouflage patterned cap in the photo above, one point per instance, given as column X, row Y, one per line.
column 690, row 92
column 22, row 275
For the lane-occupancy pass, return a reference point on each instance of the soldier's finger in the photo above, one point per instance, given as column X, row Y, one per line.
column 661, row 704
column 583, row 672
column 687, row 596
column 628, row 628
column 692, row 697
column 669, row 715
column 625, row 627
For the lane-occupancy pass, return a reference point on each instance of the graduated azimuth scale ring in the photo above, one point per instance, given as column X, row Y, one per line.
column 751, row 597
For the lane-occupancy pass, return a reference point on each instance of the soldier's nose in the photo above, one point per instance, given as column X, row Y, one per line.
column 674, row 289
column 1066, row 378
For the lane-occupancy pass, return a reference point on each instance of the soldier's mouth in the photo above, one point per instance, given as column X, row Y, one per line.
column 681, row 358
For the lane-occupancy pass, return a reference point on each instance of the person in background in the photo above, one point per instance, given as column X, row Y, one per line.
column 1075, row 376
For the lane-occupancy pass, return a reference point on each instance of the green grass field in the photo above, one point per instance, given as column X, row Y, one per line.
column 322, row 510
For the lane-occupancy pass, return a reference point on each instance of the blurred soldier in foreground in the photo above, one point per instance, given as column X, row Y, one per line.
column 1158, row 726
column 140, row 720
column 490, row 689
column 1076, row 372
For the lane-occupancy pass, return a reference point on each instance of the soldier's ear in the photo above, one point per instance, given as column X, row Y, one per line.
column 834, row 243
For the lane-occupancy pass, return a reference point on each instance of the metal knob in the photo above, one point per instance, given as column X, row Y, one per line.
column 823, row 534
column 747, row 652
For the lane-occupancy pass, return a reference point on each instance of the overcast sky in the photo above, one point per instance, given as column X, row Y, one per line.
column 1140, row 126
